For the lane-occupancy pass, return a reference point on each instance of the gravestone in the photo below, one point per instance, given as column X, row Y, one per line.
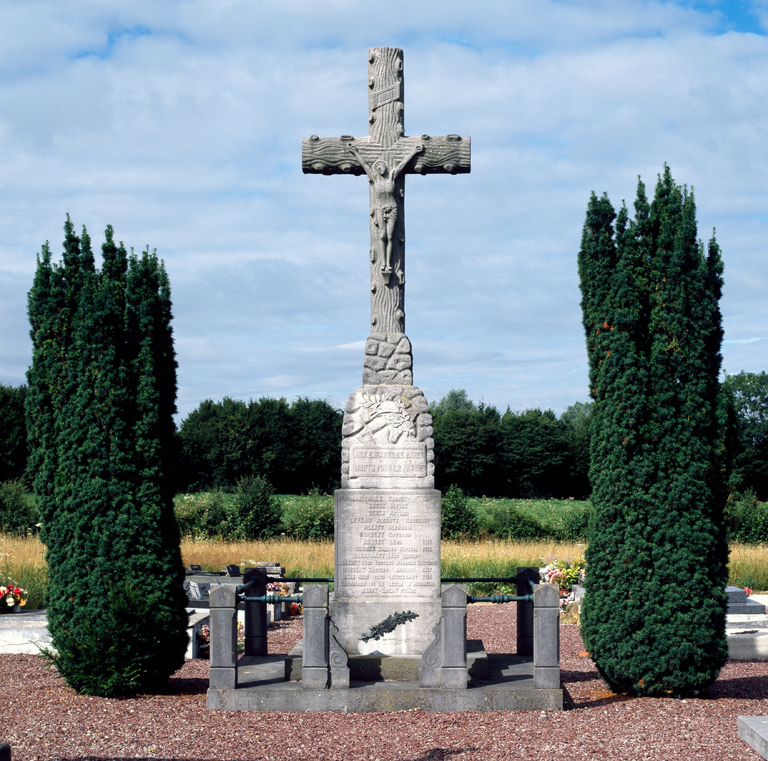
column 387, row 513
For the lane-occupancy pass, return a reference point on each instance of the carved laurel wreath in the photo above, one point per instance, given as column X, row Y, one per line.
column 398, row 417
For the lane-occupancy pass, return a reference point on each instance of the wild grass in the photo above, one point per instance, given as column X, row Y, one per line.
column 497, row 557
column 748, row 566
column 22, row 559
column 300, row 558
column 549, row 513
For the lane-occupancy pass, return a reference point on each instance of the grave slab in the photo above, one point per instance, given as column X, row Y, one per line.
column 754, row 731
column 262, row 687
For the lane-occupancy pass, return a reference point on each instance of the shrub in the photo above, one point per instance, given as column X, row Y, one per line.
column 203, row 515
column 457, row 518
column 748, row 519
column 113, row 654
column 18, row 512
column 653, row 619
column 99, row 409
column 257, row 512
column 311, row 518
column 505, row 521
column 575, row 521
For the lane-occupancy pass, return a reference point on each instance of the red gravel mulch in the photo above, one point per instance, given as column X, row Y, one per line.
column 43, row 719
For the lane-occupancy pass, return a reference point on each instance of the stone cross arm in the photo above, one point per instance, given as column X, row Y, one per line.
column 385, row 155
column 334, row 155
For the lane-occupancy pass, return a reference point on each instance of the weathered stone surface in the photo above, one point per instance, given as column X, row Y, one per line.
column 432, row 660
column 385, row 156
column 546, row 636
column 386, row 441
column 223, row 671
column 403, row 346
column 512, row 694
column 740, row 604
column 375, row 363
column 315, row 668
column 399, row 362
column 386, row 350
column 387, row 560
column 388, row 359
column 338, row 659
column 754, row 731
column 392, row 668
column 453, row 674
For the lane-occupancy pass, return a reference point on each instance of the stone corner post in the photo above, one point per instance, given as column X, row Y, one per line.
column 453, row 622
column 546, row 636
column 525, row 610
column 223, row 672
column 315, row 661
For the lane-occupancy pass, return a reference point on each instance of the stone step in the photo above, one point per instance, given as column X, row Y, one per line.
column 754, row 731
column 386, row 668
column 735, row 595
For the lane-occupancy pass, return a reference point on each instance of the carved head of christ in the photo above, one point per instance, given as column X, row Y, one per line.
column 381, row 167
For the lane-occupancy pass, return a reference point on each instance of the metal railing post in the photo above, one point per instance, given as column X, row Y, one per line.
column 525, row 610
column 255, row 612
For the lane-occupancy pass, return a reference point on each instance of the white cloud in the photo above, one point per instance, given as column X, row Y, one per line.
column 180, row 124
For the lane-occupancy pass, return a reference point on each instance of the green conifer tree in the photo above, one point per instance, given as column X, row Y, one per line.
column 101, row 396
column 654, row 615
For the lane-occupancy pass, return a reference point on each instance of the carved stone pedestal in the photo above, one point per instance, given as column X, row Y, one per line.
column 387, row 521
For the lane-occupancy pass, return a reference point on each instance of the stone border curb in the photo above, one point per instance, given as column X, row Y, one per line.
column 754, row 731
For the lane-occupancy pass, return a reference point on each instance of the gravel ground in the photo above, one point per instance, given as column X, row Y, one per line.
column 43, row 719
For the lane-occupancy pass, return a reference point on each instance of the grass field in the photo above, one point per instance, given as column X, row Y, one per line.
column 22, row 559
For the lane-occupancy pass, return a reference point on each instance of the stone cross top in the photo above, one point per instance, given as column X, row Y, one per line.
column 386, row 155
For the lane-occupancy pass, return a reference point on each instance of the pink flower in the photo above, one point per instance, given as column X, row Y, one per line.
column 748, row 591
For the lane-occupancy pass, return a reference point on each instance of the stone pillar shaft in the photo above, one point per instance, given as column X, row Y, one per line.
column 223, row 671
column 546, row 637
column 315, row 662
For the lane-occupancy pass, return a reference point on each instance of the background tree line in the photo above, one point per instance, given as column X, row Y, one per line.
column 296, row 445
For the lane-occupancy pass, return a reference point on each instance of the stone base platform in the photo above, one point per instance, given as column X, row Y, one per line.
column 390, row 668
column 262, row 686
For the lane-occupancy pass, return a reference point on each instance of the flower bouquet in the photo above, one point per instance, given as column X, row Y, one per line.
column 204, row 640
column 565, row 573
column 278, row 588
column 12, row 598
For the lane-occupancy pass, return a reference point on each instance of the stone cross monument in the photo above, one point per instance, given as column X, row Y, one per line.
column 387, row 511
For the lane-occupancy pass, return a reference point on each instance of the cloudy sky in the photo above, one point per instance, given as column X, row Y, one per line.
column 180, row 123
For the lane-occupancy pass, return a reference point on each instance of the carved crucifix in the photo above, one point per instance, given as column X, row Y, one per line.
column 386, row 156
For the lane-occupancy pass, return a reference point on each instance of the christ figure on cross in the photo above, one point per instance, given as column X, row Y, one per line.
column 385, row 201
column 386, row 155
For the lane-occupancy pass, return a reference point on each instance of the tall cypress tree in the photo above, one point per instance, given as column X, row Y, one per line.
column 100, row 405
column 654, row 615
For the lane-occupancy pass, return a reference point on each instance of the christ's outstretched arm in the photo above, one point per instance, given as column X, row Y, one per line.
column 418, row 148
